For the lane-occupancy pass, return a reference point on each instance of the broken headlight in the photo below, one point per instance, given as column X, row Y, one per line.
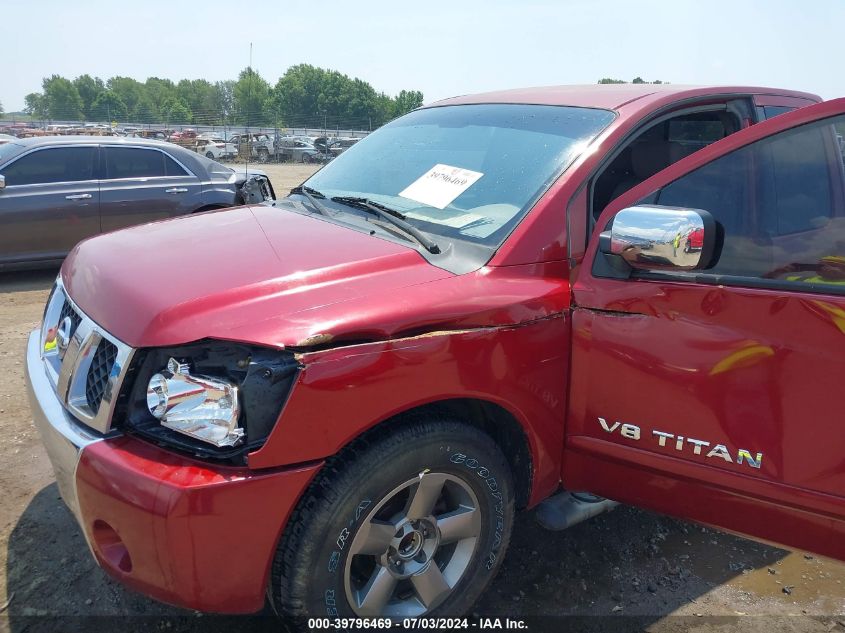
column 214, row 399
column 198, row 406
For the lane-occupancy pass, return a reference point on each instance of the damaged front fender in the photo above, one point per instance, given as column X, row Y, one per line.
column 343, row 391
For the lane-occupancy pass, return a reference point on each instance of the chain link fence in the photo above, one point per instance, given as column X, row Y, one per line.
column 225, row 143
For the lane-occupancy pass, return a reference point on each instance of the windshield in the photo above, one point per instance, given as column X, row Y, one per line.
column 466, row 172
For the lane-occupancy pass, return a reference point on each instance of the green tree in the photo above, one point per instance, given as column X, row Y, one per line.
column 635, row 80
column 304, row 96
column 35, row 105
column 62, row 98
column 406, row 101
column 145, row 111
column 309, row 96
column 224, row 100
column 176, row 111
column 201, row 98
column 382, row 111
column 295, row 95
column 109, row 107
column 89, row 88
column 159, row 91
column 129, row 90
column 250, row 94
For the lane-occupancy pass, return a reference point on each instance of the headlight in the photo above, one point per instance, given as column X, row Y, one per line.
column 214, row 399
column 199, row 406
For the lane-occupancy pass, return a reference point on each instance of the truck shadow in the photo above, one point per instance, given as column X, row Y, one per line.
column 27, row 280
column 628, row 562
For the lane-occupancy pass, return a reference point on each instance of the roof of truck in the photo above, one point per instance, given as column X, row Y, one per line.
column 612, row 96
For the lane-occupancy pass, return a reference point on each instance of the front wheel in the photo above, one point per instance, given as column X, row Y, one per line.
column 209, row 155
column 416, row 523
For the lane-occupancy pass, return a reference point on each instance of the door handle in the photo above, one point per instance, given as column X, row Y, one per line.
column 79, row 196
column 176, row 190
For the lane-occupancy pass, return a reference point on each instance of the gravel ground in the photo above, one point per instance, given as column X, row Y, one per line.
column 638, row 570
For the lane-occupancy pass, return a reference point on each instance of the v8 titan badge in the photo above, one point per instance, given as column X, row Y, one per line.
column 683, row 444
column 440, row 185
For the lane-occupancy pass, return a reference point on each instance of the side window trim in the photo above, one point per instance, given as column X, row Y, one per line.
column 52, row 182
column 103, row 172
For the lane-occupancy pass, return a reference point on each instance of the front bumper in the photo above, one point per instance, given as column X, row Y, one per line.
column 184, row 532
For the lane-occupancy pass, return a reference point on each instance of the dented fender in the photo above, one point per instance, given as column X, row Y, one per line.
column 345, row 390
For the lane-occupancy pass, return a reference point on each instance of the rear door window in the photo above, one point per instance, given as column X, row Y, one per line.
column 133, row 162
column 56, row 164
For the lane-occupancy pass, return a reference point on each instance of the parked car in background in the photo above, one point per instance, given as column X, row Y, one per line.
column 56, row 191
column 342, row 144
column 296, row 150
column 215, row 148
column 254, row 146
column 157, row 135
column 182, row 135
column 334, row 145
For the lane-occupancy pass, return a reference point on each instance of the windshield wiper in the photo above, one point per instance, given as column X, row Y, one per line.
column 390, row 215
column 311, row 195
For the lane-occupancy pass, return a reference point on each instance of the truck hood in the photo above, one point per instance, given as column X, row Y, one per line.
column 227, row 273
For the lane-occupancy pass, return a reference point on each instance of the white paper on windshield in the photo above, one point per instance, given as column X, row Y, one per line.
column 440, row 185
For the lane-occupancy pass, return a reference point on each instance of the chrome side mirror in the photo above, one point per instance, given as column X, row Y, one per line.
column 2, row 181
column 658, row 238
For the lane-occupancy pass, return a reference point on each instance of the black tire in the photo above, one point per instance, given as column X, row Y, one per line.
column 313, row 568
column 263, row 156
column 209, row 155
column 306, row 159
column 688, row 247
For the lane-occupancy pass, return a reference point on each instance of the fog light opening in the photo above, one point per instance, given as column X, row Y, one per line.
column 111, row 546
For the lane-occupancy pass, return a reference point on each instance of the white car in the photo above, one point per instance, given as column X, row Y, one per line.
column 216, row 148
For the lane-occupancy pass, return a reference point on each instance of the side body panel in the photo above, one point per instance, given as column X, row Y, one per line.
column 54, row 204
column 130, row 200
column 45, row 221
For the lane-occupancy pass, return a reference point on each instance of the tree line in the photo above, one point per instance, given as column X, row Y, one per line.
column 635, row 80
column 305, row 96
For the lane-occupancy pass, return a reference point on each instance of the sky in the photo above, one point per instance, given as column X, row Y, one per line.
column 440, row 48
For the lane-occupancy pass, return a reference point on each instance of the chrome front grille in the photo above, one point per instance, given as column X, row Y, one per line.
column 99, row 372
column 68, row 311
column 85, row 364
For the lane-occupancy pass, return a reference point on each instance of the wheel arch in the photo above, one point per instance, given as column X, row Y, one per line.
column 491, row 418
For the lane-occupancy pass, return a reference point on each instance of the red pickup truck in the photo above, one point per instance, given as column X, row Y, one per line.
column 338, row 401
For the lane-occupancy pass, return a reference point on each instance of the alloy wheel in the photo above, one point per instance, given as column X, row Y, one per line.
column 413, row 547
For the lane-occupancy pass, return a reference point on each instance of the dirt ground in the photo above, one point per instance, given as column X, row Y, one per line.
column 639, row 570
